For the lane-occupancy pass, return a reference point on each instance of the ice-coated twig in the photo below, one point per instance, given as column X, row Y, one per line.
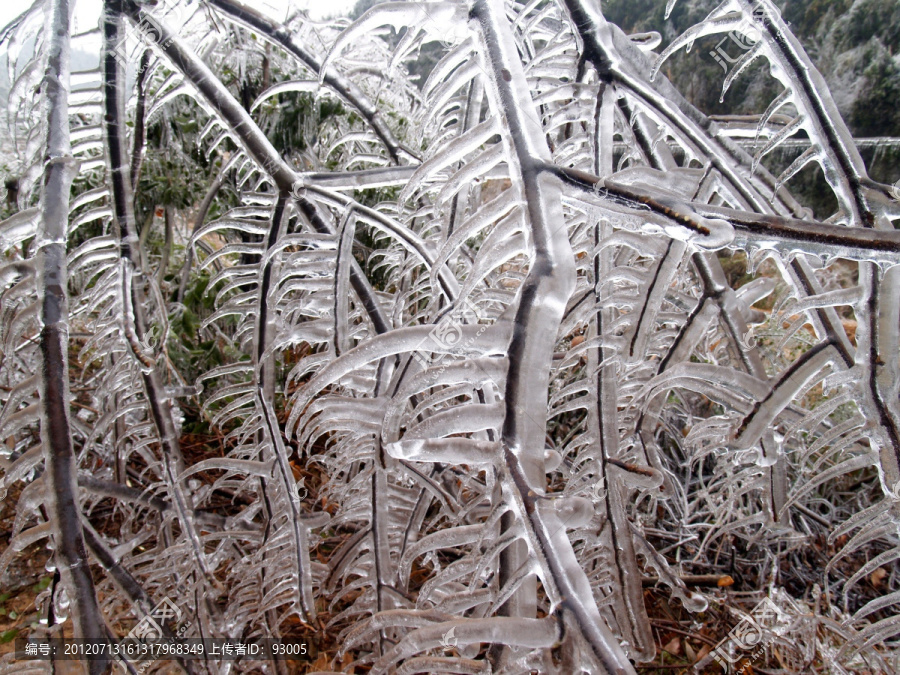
column 137, row 149
column 256, row 144
column 757, row 228
column 264, row 374
column 136, row 321
column 51, row 280
column 345, row 88
column 627, row 596
column 541, row 303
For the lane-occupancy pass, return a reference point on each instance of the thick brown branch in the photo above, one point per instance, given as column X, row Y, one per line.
column 759, row 227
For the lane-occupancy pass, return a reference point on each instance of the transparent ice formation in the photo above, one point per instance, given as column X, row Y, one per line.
column 509, row 352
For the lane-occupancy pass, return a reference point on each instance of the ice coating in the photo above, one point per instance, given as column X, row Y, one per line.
column 454, row 333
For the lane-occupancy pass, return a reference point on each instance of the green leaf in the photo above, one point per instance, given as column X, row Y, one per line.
column 43, row 584
column 9, row 635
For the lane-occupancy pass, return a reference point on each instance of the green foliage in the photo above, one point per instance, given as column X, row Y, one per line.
column 291, row 121
column 734, row 264
column 10, row 184
column 426, row 59
column 12, row 615
column 175, row 169
column 807, row 16
column 641, row 15
column 809, row 186
column 876, row 112
column 374, row 196
column 879, row 19
column 43, row 584
column 696, row 74
column 883, row 163
column 190, row 350
column 368, row 239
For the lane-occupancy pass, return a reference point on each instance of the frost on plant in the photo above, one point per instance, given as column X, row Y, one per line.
column 465, row 338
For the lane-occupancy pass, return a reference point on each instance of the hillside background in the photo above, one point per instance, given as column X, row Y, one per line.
column 854, row 44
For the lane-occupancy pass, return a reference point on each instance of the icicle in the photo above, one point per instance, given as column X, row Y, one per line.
column 433, row 19
column 447, row 450
column 19, row 227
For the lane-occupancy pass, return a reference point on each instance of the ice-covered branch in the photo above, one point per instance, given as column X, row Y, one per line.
column 52, row 278
column 254, row 141
column 345, row 88
column 541, row 304
column 751, row 229
column 273, row 438
column 136, row 321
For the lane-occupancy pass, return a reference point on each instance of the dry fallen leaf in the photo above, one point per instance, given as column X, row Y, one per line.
column 689, row 651
column 704, row 650
column 673, row 646
column 321, row 663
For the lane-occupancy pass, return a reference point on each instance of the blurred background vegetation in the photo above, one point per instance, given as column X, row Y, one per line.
column 854, row 44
